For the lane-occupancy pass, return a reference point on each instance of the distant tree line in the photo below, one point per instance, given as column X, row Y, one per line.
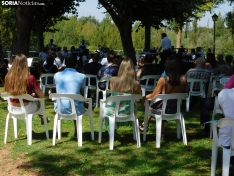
column 71, row 32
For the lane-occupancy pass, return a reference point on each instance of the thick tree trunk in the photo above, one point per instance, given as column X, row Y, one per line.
column 21, row 35
column 39, row 31
column 179, row 36
column 147, row 36
column 126, row 38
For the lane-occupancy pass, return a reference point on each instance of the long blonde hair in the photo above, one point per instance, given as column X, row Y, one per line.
column 126, row 80
column 16, row 79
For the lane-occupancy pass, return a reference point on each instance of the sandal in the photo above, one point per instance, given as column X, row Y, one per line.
column 142, row 126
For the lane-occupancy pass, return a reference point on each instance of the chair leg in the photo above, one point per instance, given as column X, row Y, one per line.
column 100, row 130
column 6, row 128
column 226, row 161
column 111, row 132
column 15, row 123
column 214, row 156
column 29, row 129
column 178, row 128
column 79, row 130
column 134, row 130
column 145, row 122
column 143, row 92
column 158, row 130
column 91, row 126
column 97, row 92
column 183, row 130
column 187, row 103
column 54, row 130
column 46, row 126
column 137, row 132
column 59, row 125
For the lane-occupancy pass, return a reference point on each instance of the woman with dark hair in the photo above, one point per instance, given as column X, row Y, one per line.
column 172, row 83
column 148, row 68
column 110, row 69
column 210, row 61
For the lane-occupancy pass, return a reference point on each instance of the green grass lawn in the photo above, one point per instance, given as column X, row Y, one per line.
column 66, row 158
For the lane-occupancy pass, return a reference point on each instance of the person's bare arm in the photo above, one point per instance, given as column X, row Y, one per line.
column 39, row 93
column 139, row 73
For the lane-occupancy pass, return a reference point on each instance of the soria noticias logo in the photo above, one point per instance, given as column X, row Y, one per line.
column 22, row 3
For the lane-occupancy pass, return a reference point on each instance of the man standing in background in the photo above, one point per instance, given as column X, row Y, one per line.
column 166, row 46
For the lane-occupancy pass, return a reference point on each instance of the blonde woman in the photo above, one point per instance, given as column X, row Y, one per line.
column 18, row 81
column 124, row 83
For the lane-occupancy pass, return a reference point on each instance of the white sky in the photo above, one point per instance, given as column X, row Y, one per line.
column 89, row 8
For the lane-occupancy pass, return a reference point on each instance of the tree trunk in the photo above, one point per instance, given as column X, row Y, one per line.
column 126, row 39
column 39, row 31
column 147, row 36
column 22, row 31
column 125, row 30
column 179, row 36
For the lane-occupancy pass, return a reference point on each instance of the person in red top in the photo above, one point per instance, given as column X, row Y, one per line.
column 18, row 81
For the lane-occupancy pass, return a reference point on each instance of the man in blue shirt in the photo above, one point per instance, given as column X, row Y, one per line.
column 69, row 81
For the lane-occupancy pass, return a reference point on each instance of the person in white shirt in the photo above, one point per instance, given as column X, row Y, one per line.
column 226, row 101
column 166, row 46
column 58, row 59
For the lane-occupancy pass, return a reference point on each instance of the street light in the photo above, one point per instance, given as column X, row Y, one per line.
column 214, row 18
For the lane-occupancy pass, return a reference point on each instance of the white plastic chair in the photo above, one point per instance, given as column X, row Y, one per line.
column 147, row 87
column 89, row 86
column 120, row 118
column 201, row 92
column 178, row 116
column 227, row 153
column 216, row 110
column 29, row 61
column 47, row 85
column 212, row 84
column 104, row 92
column 224, row 80
column 73, row 116
column 22, row 114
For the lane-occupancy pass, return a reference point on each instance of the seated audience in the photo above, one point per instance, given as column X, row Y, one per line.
column 207, row 105
column 210, row 62
column 71, row 82
column 225, row 68
column 58, row 60
column 172, row 83
column 109, row 69
column 226, row 101
column 125, row 83
column 220, row 60
column 147, row 69
column 24, row 84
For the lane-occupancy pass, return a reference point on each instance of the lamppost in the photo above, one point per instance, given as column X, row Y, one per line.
column 214, row 18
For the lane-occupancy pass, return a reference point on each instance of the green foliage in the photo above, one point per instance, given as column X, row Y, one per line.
column 6, row 26
column 72, row 31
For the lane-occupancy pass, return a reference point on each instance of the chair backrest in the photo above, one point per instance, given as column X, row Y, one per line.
column 21, row 113
column 215, row 77
column 147, row 78
column 133, row 98
column 107, row 80
column 29, row 61
column 193, row 81
column 48, row 80
column 165, row 97
column 91, row 79
column 226, row 122
column 224, row 80
column 71, row 98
